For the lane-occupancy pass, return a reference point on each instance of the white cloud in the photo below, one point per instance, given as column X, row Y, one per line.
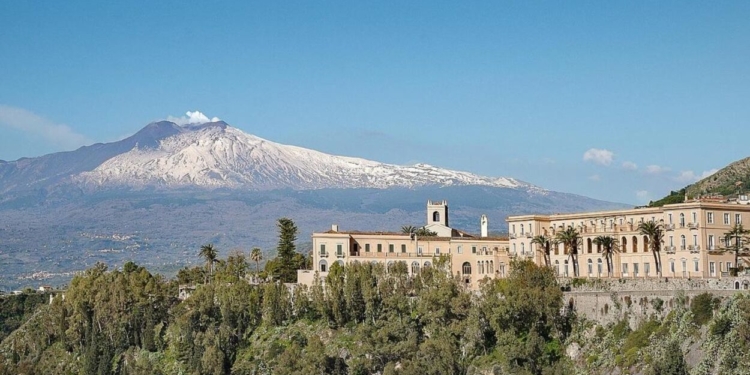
column 28, row 122
column 629, row 165
column 655, row 169
column 598, row 156
column 690, row 176
column 643, row 195
column 195, row 117
column 595, row 177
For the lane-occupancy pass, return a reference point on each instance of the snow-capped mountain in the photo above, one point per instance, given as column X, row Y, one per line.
column 214, row 155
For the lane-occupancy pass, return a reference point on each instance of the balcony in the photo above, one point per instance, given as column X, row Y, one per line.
column 512, row 236
column 340, row 255
column 695, row 250
column 669, row 226
column 529, row 235
column 691, row 248
column 323, row 255
column 670, row 249
column 693, row 225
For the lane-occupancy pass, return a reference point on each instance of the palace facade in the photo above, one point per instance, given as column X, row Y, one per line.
column 471, row 257
column 694, row 239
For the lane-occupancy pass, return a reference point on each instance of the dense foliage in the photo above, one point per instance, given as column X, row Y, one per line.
column 365, row 320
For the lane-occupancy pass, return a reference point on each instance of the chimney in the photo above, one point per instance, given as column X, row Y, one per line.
column 335, row 227
column 483, row 226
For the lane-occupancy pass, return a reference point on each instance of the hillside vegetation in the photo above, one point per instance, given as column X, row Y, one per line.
column 726, row 181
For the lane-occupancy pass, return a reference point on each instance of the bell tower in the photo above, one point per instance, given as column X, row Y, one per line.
column 437, row 212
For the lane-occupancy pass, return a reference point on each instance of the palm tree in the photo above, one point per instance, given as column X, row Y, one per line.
column 655, row 234
column 571, row 239
column 408, row 229
column 208, row 252
column 739, row 234
column 543, row 242
column 256, row 256
column 609, row 246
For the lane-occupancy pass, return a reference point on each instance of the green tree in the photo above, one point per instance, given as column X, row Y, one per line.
column 543, row 243
column 209, row 254
column 734, row 239
column 286, row 250
column 571, row 240
column 655, row 234
column 609, row 247
column 672, row 361
column 256, row 255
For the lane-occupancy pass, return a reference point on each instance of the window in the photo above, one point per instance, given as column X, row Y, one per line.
column 523, row 248
column 695, row 240
column 566, row 267
column 367, row 247
column 419, row 250
column 437, row 251
column 435, row 218
column 514, row 228
column 390, row 248
column 521, row 228
column 682, row 242
column 599, row 266
column 339, row 250
column 557, row 267
column 646, row 268
column 491, row 267
column 460, row 249
column 380, row 248
column 684, row 265
column 466, row 268
column 726, row 219
column 695, row 217
column 737, row 219
column 414, row 267
column 729, row 266
column 671, row 241
column 710, row 241
column 403, row 248
column 695, row 263
column 480, row 267
column 323, row 265
column 712, row 268
column 474, row 249
column 670, row 218
column 635, row 269
column 682, row 220
column 591, row 267
column 322, row 249
column 671, row 265
column 624, row 269
column 502, row 270
column 710, row 217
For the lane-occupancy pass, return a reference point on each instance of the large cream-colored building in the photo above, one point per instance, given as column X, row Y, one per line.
column 472, row 257
column 694, row 235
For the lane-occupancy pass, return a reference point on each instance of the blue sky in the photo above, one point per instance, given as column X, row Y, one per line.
column 621, row 101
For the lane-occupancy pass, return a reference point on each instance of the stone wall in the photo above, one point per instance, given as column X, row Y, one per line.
column 607, row 301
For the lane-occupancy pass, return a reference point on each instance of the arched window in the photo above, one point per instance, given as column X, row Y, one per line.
column 426, row 264
column 414, row 267
column 588, row 246
column 480, row 268
column 682, row 220
column 591, row 266
column 492, row 267
column 645, row 244
column 635, row 244
column 566, row 267
column 599, row 267
column 682, row 242
column 522, row 229
column 340, row 262
column 557, row 267
column 323, row 265
column 466, row 268
column 523, row 248
column 624, row 244
column 436, row 216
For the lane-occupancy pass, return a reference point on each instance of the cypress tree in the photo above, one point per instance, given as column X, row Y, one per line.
column 287, row 272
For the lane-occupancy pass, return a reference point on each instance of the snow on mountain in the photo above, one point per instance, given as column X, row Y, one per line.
column 214, row 155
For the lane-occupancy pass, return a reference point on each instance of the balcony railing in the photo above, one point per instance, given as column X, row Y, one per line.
column 669, row 226
column 693, row 225
column 512, row 236
column 695, row 250
column 670, row 249
column 323, row 255
column 339, row 255
column 529, row 235
column 691, row 248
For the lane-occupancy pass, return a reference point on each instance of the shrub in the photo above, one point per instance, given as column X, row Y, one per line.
column 702, row 307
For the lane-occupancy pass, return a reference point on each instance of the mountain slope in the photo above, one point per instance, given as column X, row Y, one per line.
column 726, row 181
column 216, row 155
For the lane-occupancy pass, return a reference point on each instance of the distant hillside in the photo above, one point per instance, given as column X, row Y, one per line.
column 724, row 182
